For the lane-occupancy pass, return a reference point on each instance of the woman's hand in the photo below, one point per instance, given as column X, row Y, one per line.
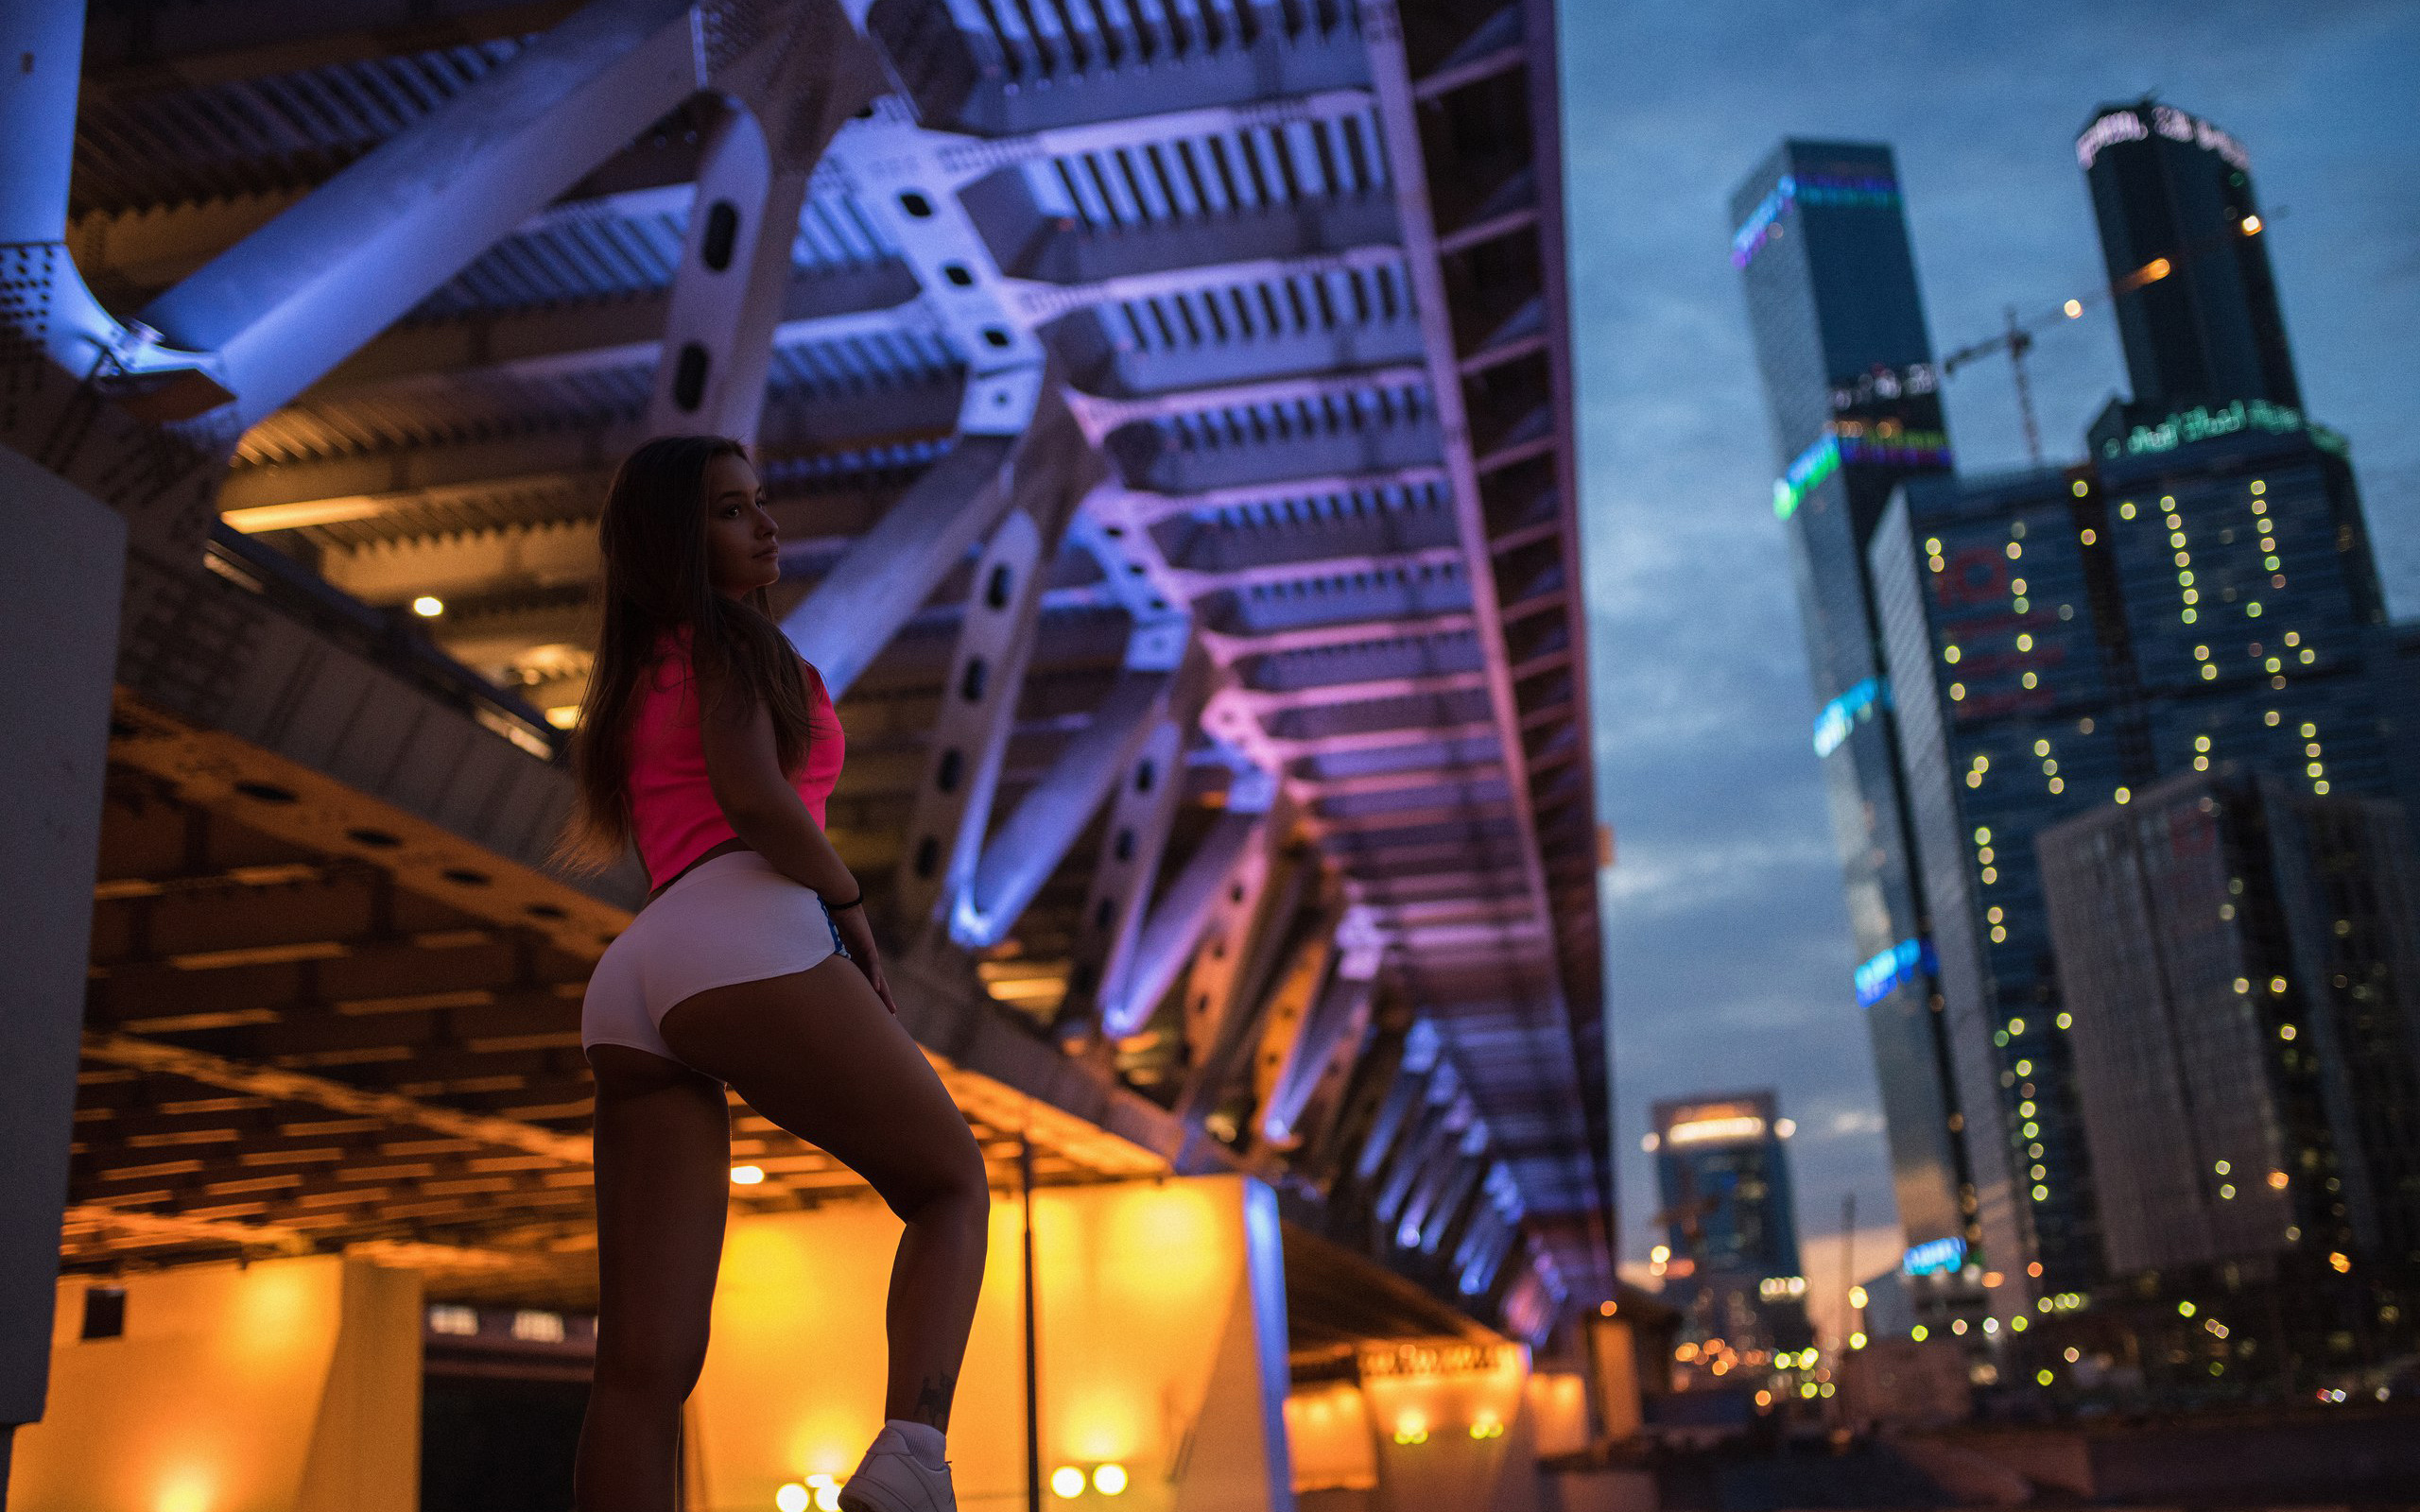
column 857, row 935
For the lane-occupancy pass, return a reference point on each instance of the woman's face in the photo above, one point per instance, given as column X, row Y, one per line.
column 742, row 546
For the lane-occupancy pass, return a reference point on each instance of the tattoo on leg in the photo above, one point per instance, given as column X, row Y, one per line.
column 932, row 1400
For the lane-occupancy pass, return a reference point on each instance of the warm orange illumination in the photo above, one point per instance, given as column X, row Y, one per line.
column 1109, row 1480
column 1067, row 1483
column 1686, row 1353
column 2251, row 225
column 2156, row 269
column 1412, row 1428
column 2342, row 1261
column 792, row 1497
column 747, row 1176
column 2033, row 1268
column 1720, row 1127
column 1992, row 1277
column 2277, row 1181
column 2075, row 308
column 1608, row 1309
column 307, row 512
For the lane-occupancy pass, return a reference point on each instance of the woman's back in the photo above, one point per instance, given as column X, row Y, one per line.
column 674, row 817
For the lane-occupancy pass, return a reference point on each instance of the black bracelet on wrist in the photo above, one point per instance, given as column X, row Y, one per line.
column 831, row 907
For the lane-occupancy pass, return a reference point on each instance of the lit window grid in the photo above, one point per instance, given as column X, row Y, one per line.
column 2009, row 614
column 2338, row 711
column 2227, row 594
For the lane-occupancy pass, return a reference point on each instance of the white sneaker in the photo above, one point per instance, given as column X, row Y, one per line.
column 891, row 1479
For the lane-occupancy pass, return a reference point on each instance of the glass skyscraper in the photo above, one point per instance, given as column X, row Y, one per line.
column 2198, row 596
column 1821, row 239
column 2242, row 959
column 2180, row 229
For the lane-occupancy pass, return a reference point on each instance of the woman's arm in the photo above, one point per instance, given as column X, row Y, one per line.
column 744, row 766
column 763, row 808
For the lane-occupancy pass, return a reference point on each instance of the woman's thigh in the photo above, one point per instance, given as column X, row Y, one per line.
column 816, row 1053
column 662, row 1191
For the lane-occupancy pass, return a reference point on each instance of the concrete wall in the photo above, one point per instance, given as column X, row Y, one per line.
column 287, row 1385
column 1455, row 1435
column 1155, row 1345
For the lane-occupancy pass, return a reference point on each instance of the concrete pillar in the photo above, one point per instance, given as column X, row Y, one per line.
column 60, row 581
column 283, row 1385
column 1160, row 1328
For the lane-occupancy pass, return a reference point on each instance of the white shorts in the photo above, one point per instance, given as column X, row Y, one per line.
column 732, row 918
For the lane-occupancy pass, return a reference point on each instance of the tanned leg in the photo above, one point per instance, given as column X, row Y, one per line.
column 663, row 1190
column 817, row 1054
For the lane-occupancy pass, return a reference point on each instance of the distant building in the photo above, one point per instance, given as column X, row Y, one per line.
column 1733, row 1270
column 2241, row 959
column 1821, row 239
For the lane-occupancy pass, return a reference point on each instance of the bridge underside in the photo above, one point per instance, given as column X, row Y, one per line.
column 1167, row 413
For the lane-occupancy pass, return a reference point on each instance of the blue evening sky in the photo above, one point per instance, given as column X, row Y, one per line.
column 1728, row 960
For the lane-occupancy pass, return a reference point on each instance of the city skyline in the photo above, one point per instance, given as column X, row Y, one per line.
column 1717, row 808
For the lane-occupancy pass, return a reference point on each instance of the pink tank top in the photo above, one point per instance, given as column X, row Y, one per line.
column 674, row 817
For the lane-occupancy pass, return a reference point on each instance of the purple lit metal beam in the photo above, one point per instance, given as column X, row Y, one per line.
column 970, row 735
column 1229, row 995
column 1144, row 508
column 1176, row 919
column 288, row 304
column 726, row 295
column 1029, row 847
column 1226, row 646
column 1100, row 416
column 1331, row 1031
column 893, row 568
column 1149, row 793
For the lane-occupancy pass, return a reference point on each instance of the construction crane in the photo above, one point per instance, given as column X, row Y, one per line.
column 2016, row 339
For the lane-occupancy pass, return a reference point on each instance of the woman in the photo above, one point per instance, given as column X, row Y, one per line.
column 708, row 742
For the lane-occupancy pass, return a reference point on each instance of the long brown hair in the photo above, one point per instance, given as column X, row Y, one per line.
column 656, row 578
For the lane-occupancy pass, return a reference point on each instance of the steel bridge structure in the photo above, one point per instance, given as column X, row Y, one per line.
column 1166, row 405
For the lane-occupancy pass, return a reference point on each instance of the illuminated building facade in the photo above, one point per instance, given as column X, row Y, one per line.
column 1989, row 603
column 2199, row 592
column 2060, row 640
column 1822, row 243
column 2241, row 957
column 1731, row 1265
column 2243, row 961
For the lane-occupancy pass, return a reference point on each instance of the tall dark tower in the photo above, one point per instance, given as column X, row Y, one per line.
column 1821, row 238
column 2180, row 227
